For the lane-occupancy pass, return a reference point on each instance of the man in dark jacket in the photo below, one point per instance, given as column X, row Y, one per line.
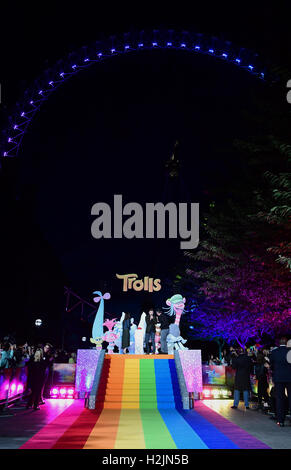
column 165, row 321
column 282, row 379
column 242, row 383
column 150, row 332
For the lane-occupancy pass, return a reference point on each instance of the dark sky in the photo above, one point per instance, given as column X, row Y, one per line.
column 110, row 130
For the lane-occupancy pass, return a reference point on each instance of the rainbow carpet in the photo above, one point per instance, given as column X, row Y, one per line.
column 139, row 407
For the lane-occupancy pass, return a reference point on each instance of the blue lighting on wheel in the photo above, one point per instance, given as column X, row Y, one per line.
column 48, row 87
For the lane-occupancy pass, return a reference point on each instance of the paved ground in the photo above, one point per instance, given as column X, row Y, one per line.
column 254, row 422
column 213, row 424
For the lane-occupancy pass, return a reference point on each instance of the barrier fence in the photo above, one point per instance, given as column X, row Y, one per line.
column 13, row 383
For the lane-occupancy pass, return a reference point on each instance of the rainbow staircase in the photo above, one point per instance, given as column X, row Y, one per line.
column 138, row 382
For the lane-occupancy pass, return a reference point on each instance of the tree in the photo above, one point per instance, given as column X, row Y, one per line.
column 278, row 209
column 235, row 265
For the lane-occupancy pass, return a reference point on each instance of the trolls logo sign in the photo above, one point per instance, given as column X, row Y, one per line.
column 130, row 281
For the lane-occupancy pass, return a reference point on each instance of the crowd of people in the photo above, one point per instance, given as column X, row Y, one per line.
column 39, row 360
column 272, row 370
column 270, row 366
column 156, row 332
column 13, row 355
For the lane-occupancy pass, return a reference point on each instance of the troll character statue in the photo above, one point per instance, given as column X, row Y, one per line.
column 176, row 306
column 97, row 330
column 139, row 335
column 118, row 331
column 158, row 338
column 110, row 336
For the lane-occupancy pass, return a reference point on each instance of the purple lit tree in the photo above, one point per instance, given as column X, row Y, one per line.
column 245, row 292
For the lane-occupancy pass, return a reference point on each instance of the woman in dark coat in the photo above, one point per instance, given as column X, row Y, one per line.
column 37, row 368
column 126, row 333
column 242, row 383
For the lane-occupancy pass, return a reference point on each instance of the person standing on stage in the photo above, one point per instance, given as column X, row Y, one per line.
column 126, row 324
column 282, row 379
column 165, row 321
column 150, row 332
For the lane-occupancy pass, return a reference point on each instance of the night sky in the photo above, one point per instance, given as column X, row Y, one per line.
column 110, row 130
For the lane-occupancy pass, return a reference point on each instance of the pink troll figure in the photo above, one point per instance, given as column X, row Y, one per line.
column 177, row 306
column 110, row 337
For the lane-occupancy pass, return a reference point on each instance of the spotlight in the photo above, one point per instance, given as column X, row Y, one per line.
column 63, row 392
column 215, row 393
column 38, row 322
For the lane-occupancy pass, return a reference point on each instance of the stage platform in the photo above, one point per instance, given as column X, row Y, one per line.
column 66, row 424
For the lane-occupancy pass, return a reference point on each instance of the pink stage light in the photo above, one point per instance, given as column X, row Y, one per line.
column 20, row 388
column 63, row 392
column 13, row 387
